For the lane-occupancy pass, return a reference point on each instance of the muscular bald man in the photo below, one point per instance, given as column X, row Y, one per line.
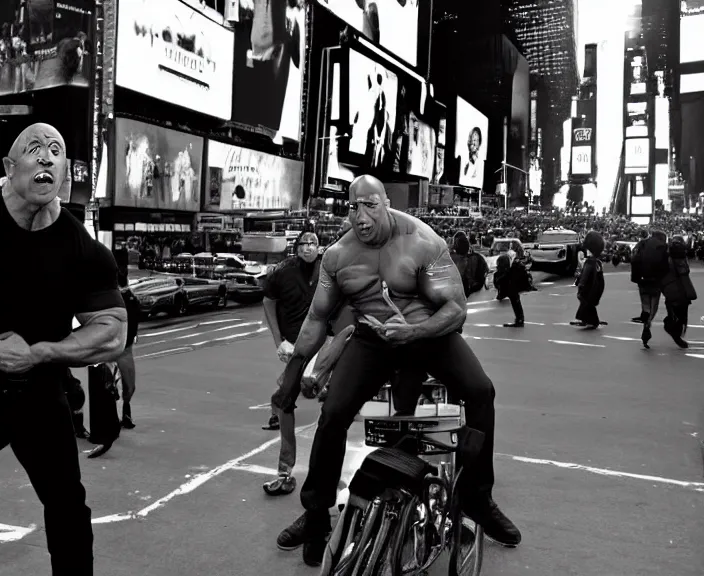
column 395, row 250
column 56, row 272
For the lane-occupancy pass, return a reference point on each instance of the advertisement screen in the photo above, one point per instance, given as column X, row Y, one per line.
column 581, row 160
column 641, row 204
column 691, row 45
column 252, row 180
column 53, row 47
column 637, row 155
column 269, row 58
column 392, row 24
column 156, row 167
column 173, row 53
column 415, row 139
column 372, row 105
column 471, row 143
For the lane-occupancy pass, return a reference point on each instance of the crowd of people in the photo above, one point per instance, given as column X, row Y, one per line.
column 527, row 225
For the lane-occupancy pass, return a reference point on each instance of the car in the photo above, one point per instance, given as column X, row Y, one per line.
column 556, row 251
column 176, row 295
column 244, row 278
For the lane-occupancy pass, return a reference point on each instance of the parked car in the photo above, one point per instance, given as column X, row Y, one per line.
column 177, row 295
column 244, row 278
column 556, row 251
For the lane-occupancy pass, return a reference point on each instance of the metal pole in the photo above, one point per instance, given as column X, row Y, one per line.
column 504, row 163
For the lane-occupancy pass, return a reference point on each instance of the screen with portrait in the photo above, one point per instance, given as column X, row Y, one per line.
column 156, row 167
column 269, row 62
column 392, row 24
column 415, row 135
column 373, row 91
column 471, row 134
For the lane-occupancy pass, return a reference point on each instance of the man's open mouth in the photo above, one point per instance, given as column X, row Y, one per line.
column 44, row 178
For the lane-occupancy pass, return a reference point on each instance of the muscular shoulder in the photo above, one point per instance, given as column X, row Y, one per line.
column 429, row 245
column 334, row 255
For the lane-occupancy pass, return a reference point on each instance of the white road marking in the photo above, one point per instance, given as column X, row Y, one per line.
column 232, row 336
column 256, row 469
column 561, row 324
column 500, row 339
column 14, row 533
column 623, row 338
column 170, row 331
column 195, row 482
column 229, row 327
column 482, row 302
column 137, row 346
column 699, row 486
column 163, row 352
column 700, row 356
column 535, row 323
column 261, row 406
column 209, row 322
column 545, row 283
column 477, row 310
column 568, row 343
column 482, row 325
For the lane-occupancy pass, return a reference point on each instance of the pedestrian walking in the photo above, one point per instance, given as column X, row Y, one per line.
column 44, row 245
column 591, row 283
column 125, row 362
column 288, row 294
column 644, row 235
column 679, row 292
column 649, row 266
column 511, row 278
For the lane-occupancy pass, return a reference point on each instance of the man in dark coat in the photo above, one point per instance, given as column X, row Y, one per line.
column 649, row 266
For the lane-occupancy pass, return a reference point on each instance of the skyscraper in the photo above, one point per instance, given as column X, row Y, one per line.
column 546, row 33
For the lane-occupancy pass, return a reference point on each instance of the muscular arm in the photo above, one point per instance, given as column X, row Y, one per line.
column 440, row 284
column 327, row 297
column 101, row 338
column 272, row 321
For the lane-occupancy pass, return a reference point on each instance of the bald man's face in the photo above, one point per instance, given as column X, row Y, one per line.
column 36, row 166
column 368, row 212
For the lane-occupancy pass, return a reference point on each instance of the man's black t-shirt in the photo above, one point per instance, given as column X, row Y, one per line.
column 51, row 275
column 292, row 284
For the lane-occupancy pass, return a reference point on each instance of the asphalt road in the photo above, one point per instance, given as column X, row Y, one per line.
column 597, row 442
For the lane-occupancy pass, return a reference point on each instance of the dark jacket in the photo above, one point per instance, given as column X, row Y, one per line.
column 650, row 264
column 677, row 286
column 133, row 311
column 510, row 279
column 591, row 282
column 473, row 269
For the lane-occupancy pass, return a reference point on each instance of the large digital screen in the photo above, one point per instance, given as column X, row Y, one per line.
column 691, row 27
column 156, row 167
column 171, row 52
column 472, row 130
column 637, row 155
column 269, row 59
column 52, row 47
column 373, row 91
column 392, row 24
column 415, row 138
column 244, row 179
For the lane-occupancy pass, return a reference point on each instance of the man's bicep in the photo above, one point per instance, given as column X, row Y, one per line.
column 97, row 281
column 440, row 281
column 327, row 296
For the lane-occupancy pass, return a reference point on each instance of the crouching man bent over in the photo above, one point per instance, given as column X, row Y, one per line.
column 390, row 252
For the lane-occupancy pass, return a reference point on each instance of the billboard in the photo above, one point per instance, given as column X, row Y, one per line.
column 52, row 47
column 244, row 179
column 691, row 26
column 268, row 66
column 171, row 52
column 392, row 24
column 156, row 167
column 372, row 97
column 637, row 155
column 415, row 136
column 471, row 132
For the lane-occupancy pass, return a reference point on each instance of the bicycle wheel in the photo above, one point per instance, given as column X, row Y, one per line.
column 467, row 544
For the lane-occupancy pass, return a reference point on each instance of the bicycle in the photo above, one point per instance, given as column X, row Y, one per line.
column 404, row 510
